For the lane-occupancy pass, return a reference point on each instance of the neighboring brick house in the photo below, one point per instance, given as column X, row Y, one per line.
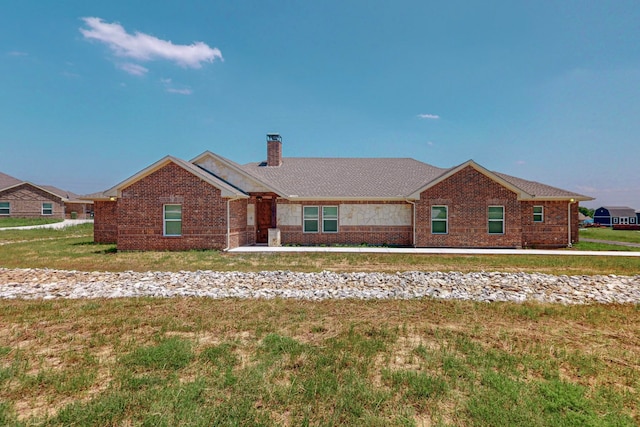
column 211, row 202
column 22, row 199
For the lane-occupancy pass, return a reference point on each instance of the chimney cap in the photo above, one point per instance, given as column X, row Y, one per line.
column 274, row 137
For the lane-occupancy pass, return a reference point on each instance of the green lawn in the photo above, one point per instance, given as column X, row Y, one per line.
column 267, row 363
column 72, row 248
column 630, row 236
column 19, row 222
column 196, row 361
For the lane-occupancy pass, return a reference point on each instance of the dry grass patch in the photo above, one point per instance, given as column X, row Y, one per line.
column 289, row 362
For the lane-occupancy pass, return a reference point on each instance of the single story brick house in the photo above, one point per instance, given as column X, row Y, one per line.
column 211, row 202
column 22, row 199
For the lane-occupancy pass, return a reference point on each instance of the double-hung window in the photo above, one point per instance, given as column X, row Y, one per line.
column 538, row 214
column 47, row 209
column 496, row 219
column 5, row 208
column 329, row 219
column 313, row 216
column 172, row 220
column 310, row 219
column 439, row 220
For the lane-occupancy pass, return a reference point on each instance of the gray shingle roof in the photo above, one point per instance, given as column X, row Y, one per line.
column 620, row 211
column 373, row 178
column 540, row 190
column 8, row 181
column 72, row 197
column 357, row 178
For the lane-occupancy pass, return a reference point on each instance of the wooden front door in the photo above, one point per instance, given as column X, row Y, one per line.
column 263, row 220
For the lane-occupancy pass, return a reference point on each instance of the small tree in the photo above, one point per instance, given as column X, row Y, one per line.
column 586, row 211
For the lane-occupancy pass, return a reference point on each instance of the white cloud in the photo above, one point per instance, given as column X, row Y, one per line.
column 168, row 86
column 180, row 91
column 429, row 116
column 521, row 162
column 134, row 69
column 145, row 47
column 17, row 53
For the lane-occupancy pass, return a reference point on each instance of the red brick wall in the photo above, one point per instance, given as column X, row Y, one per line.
column 347, row 235
column 204, row 212
column 274, row 153
column 468, row 195
column 105, row 222
column 239, row 234
column 82, row 210
column 26, row 202
column 553, row 231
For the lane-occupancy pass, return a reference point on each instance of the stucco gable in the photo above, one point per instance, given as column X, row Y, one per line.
column 227, row 190
column 232, row 173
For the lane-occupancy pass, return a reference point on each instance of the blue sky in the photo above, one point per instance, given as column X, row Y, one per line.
column 93, row 92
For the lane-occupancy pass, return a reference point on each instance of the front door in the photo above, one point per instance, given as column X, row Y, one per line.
column 263, row 220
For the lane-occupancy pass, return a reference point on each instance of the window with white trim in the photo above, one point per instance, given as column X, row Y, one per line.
column 310, row 219
column 47, row 209
column 329, row 219
column 5, row 208
column 172, row 220
column 439, row 220
column 538, row 214
column 496, row 219
column 632, row 220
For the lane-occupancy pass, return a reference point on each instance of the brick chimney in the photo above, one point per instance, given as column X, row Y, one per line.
column 274, row 149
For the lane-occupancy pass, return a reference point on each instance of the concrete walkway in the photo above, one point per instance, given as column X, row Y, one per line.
column 431, row 251
column 57, row 225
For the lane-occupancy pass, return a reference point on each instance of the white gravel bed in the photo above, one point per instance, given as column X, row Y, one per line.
column 482, row 286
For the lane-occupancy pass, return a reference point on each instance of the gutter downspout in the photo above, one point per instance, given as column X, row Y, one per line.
column 413, row 206
column 570, row 244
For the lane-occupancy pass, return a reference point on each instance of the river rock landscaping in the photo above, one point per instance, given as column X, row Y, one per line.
column 481, row 286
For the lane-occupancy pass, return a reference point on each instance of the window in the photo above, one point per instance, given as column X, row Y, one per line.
column 172, row 220
column 329, row 219
column 538, row 214
column 632, row 220
column 4, row 208
column 47, row 209
column 310, row 219
column 615, row 219
column 439, row 220
column 496, row 219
